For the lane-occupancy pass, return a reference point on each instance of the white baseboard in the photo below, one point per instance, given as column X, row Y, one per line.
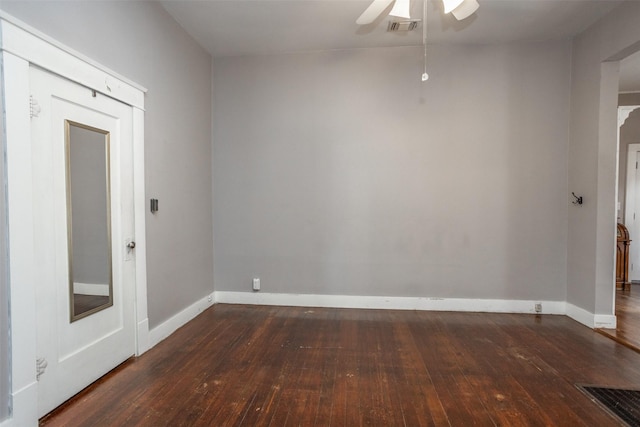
column 606, row 321
column 24, row 411
column 169, row 326
column 581, row 315
column 590, row 319
column 166, row 328
column 99, row 289
column 143, row 338
column 393, row 303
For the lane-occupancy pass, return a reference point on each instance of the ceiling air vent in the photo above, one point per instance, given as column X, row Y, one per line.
column 402, row 26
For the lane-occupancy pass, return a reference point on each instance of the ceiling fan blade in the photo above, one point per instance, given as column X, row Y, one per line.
column 466, row 9
column 373, row 11
column 449, row 5
column 401, row 9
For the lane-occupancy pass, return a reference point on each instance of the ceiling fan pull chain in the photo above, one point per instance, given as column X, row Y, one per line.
column 425, row 76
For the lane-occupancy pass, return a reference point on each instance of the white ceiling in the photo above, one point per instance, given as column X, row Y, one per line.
column 255, row 27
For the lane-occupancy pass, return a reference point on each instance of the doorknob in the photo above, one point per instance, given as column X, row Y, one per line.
column 128, row 253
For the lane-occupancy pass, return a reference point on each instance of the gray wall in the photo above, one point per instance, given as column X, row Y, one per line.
column 342, row 173
column 629, row 98
column 4, row 285
column 142, row 42
column 592, row 155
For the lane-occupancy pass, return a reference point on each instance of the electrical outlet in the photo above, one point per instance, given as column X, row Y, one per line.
column 538, row 307
column 256, row 283
column 210, row 298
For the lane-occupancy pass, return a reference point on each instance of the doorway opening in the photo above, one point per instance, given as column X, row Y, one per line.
column 627, row 288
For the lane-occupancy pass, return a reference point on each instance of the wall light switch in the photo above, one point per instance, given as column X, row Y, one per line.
column 154, row 205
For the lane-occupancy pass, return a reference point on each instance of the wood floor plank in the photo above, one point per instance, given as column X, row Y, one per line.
column 291, row 366
column 461, row 401
column 412, row 378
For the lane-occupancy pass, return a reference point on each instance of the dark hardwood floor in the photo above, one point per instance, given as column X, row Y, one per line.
column 284, row 366
column 627, row 330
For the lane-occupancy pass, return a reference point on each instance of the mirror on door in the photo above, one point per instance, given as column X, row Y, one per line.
column 88, row 219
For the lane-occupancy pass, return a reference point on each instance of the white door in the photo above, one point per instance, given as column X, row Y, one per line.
column 83, row 192
column 632, row 209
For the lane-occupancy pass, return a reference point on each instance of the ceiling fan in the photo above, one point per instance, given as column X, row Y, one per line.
column 461, row 9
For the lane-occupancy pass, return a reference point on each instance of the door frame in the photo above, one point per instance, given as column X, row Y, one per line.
column 22, row 46
column 630, row 195
column 623, row 113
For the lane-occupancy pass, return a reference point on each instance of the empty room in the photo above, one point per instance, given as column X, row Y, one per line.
column 320, row 213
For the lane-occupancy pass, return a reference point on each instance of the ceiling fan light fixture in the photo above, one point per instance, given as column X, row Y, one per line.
column 402, row 26
column 465, row 9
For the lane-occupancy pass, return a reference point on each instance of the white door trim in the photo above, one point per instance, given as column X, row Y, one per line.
column 631, row 194
column 623, row 114
column 22, row 46
column 39, row 49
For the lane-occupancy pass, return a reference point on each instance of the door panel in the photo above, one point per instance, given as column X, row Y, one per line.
column 78, row 350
